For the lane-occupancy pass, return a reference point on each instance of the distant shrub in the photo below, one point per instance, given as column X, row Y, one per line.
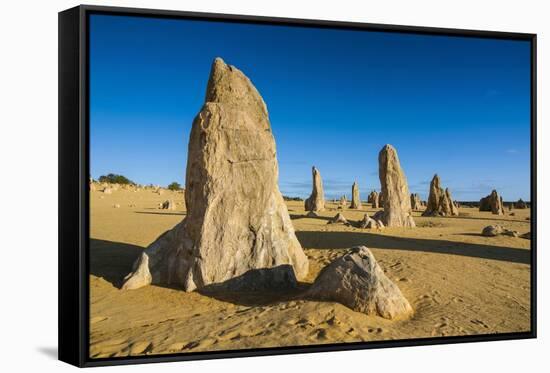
column 286, row 198
column 115, row 179
column 174, row 186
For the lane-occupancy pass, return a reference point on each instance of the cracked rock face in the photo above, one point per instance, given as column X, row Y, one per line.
column 357, row 281
column 316, row 201
column 237, row 231
column 395, row 191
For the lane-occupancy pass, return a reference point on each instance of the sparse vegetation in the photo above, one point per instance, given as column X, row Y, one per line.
column 174, row 186
column 115, row 179
column 286, row 198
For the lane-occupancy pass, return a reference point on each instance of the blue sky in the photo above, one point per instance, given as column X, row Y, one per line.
column 459, row 107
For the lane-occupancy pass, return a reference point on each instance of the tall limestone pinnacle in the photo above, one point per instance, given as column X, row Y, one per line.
column 355, row 197
column 237, row 232
column 397, row 203
column 440, row 201
column 316, row 201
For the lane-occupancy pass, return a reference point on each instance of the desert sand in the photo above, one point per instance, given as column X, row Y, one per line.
column 457, row 281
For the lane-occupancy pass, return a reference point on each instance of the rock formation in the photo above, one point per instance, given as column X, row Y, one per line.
column 370, row 223
column 355, row 197
column 343, row 203
column 374, row 199
column 107, row 190
column 168, row 205
column 316, row 201
column 237, row 233
column 416, row 202
column 496, row 230
column 520, row 204
column 493, row 203
column 397, row 201
column 381, row 199
column 357, row 281
column 338, row 219
column 440, row 202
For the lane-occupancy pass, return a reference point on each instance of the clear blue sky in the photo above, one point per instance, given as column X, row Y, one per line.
column 456, row 106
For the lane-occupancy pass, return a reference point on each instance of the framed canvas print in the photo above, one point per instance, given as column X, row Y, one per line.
column 233, row 186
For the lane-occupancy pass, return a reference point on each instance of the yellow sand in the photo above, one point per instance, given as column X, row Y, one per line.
column 458, row 282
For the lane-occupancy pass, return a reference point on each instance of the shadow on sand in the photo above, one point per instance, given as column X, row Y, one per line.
column 304, row 216
column 344, row 240
column 161, row 213
column 113, row 260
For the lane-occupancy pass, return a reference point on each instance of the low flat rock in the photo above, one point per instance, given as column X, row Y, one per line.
column 358, row 282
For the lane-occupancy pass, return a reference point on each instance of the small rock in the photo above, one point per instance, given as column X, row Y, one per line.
column 338, row 219
column 357, row 281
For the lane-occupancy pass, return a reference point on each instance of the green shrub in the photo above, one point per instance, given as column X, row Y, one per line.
column 174, row 186
column 115, row 179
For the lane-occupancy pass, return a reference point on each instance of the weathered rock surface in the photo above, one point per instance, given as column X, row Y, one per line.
column 416, row 202
column 357, row 281
column 107, row 190
column 397, row 202
column 440, row 202
column 338, row 219
column 355, row 197
column 374, row 199
column 370, row 223
column 312, row 214
column 493, row 203
column 237, row 233
column 316, row 201
column 496, row 230
column 381, row 199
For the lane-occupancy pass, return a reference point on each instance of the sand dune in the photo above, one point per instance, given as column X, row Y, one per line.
column 457, row 281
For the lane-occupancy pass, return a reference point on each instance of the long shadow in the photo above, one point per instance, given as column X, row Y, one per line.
column 112, row 260
column 304, row 216
column 477, row 218
column 161, row 213
column 258, row 287
column 344, row 240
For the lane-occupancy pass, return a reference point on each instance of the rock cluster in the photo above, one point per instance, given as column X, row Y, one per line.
column 493, row 203
column 357, row 281
column 316, row 201
column 370, row 223
column 237, row 233
column 440, row 202
column 496, row 230
column 343, row 203
column 397, row 202
column 374, row 199
column 520, row 204
column 416, row 202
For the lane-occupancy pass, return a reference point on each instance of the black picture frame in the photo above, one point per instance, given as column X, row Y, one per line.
column 74, row 191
